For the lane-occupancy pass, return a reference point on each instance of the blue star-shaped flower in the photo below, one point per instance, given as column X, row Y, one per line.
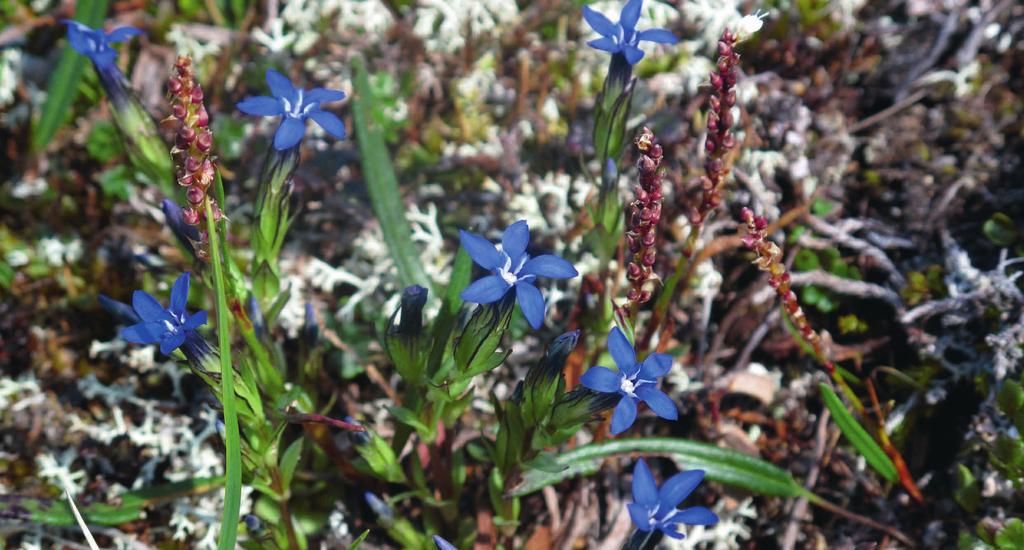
column 95, row 44
column 294, row 106
column 168, row 326
column 622, row 37
column 512, row 268
column 654, row 508
column 634, row 381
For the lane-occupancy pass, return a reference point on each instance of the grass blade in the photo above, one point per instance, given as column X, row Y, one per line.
column 64, row 83
column 232, row 441
column 858, row 436
column 382, row 183
column 724, row 466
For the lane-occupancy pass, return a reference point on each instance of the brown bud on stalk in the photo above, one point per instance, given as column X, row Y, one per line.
column 645, row 212
column 720, row 141
column 195, row 167
column 769, row 258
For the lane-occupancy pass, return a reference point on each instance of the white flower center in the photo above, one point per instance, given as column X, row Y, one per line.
column 296, row 110
column 628, row 387
column 509, row 274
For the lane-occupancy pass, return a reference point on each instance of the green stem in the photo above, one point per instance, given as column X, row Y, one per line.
column 232, row 442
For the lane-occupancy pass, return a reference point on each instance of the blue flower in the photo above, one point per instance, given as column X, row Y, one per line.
column 168, row 326
column 95, row 44
column 443, row 544
column 634, row 381
column 294, row 106
column 654, row 508
column 622, row 37
column 512, row 268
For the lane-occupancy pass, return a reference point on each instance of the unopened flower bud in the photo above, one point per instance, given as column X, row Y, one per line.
column 205, row 141
column 195, row 195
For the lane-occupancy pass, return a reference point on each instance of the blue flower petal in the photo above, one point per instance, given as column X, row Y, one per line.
column 658, row 401
column 122, row 311
column 638, row 512
column 660, row 36
column 622, row 351
column 633, row 54
column 485, row 290
column 82, row 38
column 630, row 14
column 624, row 415
column 171, row 341
column 481, row 250
column 697, row 515
column 677, row 488
column 598, row 21
column 329, row 122
column 645, row 490
column 148, row 308
column 601, row 379
column 443, row 544
column 514, row 240
column 195, row 320
column 671, row 531
column 531, row 302
column 105, row 57
column 179, row 295
column 123, row 33
column 547, row 265
column 655, row 366
column 323, row 95
column 607, row 44
column 143, row 333
column 280, row 86
column 260, row 106
column 289, row 133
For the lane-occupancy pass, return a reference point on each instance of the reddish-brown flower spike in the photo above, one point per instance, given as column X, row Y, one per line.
column 645, row 213
column 196, row 168
column 769, row 258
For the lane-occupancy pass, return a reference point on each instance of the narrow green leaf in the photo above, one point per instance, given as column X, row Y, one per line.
column 290, row 460
column 442, row 331
column 64, row 83
column 232, row 439
column 355, row 544
column 382, row 183
column 409, row 418
column 858, row 436
column 57, row 512
column 724, row 466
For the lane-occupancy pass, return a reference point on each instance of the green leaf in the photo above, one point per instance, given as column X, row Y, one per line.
column 383, row 461
column 355, row 544
column 724, row 466
column 857, row 435
column 1011, row 536
column 64, row 82
column 409, row 418
column 103, row 143
column 57, row 512
column 1010, row 398
column 382, row 183
column 116, row 182
column 967, row 493
column 805, row 260
column 1000, row 229
column 822, row 207
column 445, row 320
column 289, row 461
